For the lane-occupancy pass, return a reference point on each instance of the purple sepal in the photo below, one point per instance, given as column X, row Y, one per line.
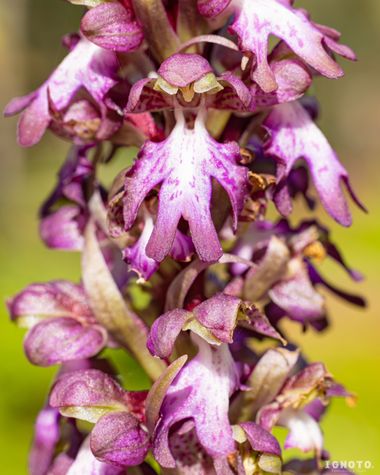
column 119, row 439
column 63, row 229
column 92, row 393
column 165, row 331
column 297, row 296
column 292, row 79
column 112, row 26
column 181, row 70
column 260, row 439
column 59, row 298
column 219, row 314
column 62, row 339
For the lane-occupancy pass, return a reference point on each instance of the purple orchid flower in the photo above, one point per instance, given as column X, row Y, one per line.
column 86, row 67
column 294, row 136
column 255, row 20
column 118, row 437
column 214, row 320
column 219, row 126
column 299, row 406
column 57, row 312
column 200, row 393
column 62, row 227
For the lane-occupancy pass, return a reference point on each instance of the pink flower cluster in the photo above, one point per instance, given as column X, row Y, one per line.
column 225, row 126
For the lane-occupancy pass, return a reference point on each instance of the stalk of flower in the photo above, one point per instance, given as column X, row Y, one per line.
column 220, row 121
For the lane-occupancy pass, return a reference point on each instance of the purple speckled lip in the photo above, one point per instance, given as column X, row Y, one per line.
column 181, row 268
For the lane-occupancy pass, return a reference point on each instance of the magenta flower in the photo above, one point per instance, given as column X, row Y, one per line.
column 180, row 267
column 118, row 438
column 294, row 136
column 255, row 20
column 87, row 67
column 54, row 312
column 200, row 393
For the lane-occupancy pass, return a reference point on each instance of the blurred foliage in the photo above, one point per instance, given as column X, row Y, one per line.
column 30, row 32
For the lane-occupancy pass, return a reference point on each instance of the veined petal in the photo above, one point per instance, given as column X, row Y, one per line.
column 90, row 394
column 119, row 439
column 181, row 69
column 62, row 339
column 59, row 298
column 256, row 20
column 201, row 393
column 184, row 164
column 112, row 26
column 295, row 136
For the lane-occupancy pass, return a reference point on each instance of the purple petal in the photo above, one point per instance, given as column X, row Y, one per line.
column 18, row 104
column 219, row 314
column 119, row 439
column 59, row 298
column 292, row 79
column 112, row 26
column 63, row 229
column 184, row 164
column 46, row 437
column 297, row 296
column 62, row 339
column 256, row 20
column 212, row 8
column 136, row 255
column 259, row 323
column 200, row 392
column 295, row 136
column 34, row 120
column 182, row 69
column 183, row 247
column 164, row 332
column 143, row 97
column 260, row 439
column 88, row 394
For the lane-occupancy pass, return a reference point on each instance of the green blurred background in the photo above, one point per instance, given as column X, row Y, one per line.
column 30, row 32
